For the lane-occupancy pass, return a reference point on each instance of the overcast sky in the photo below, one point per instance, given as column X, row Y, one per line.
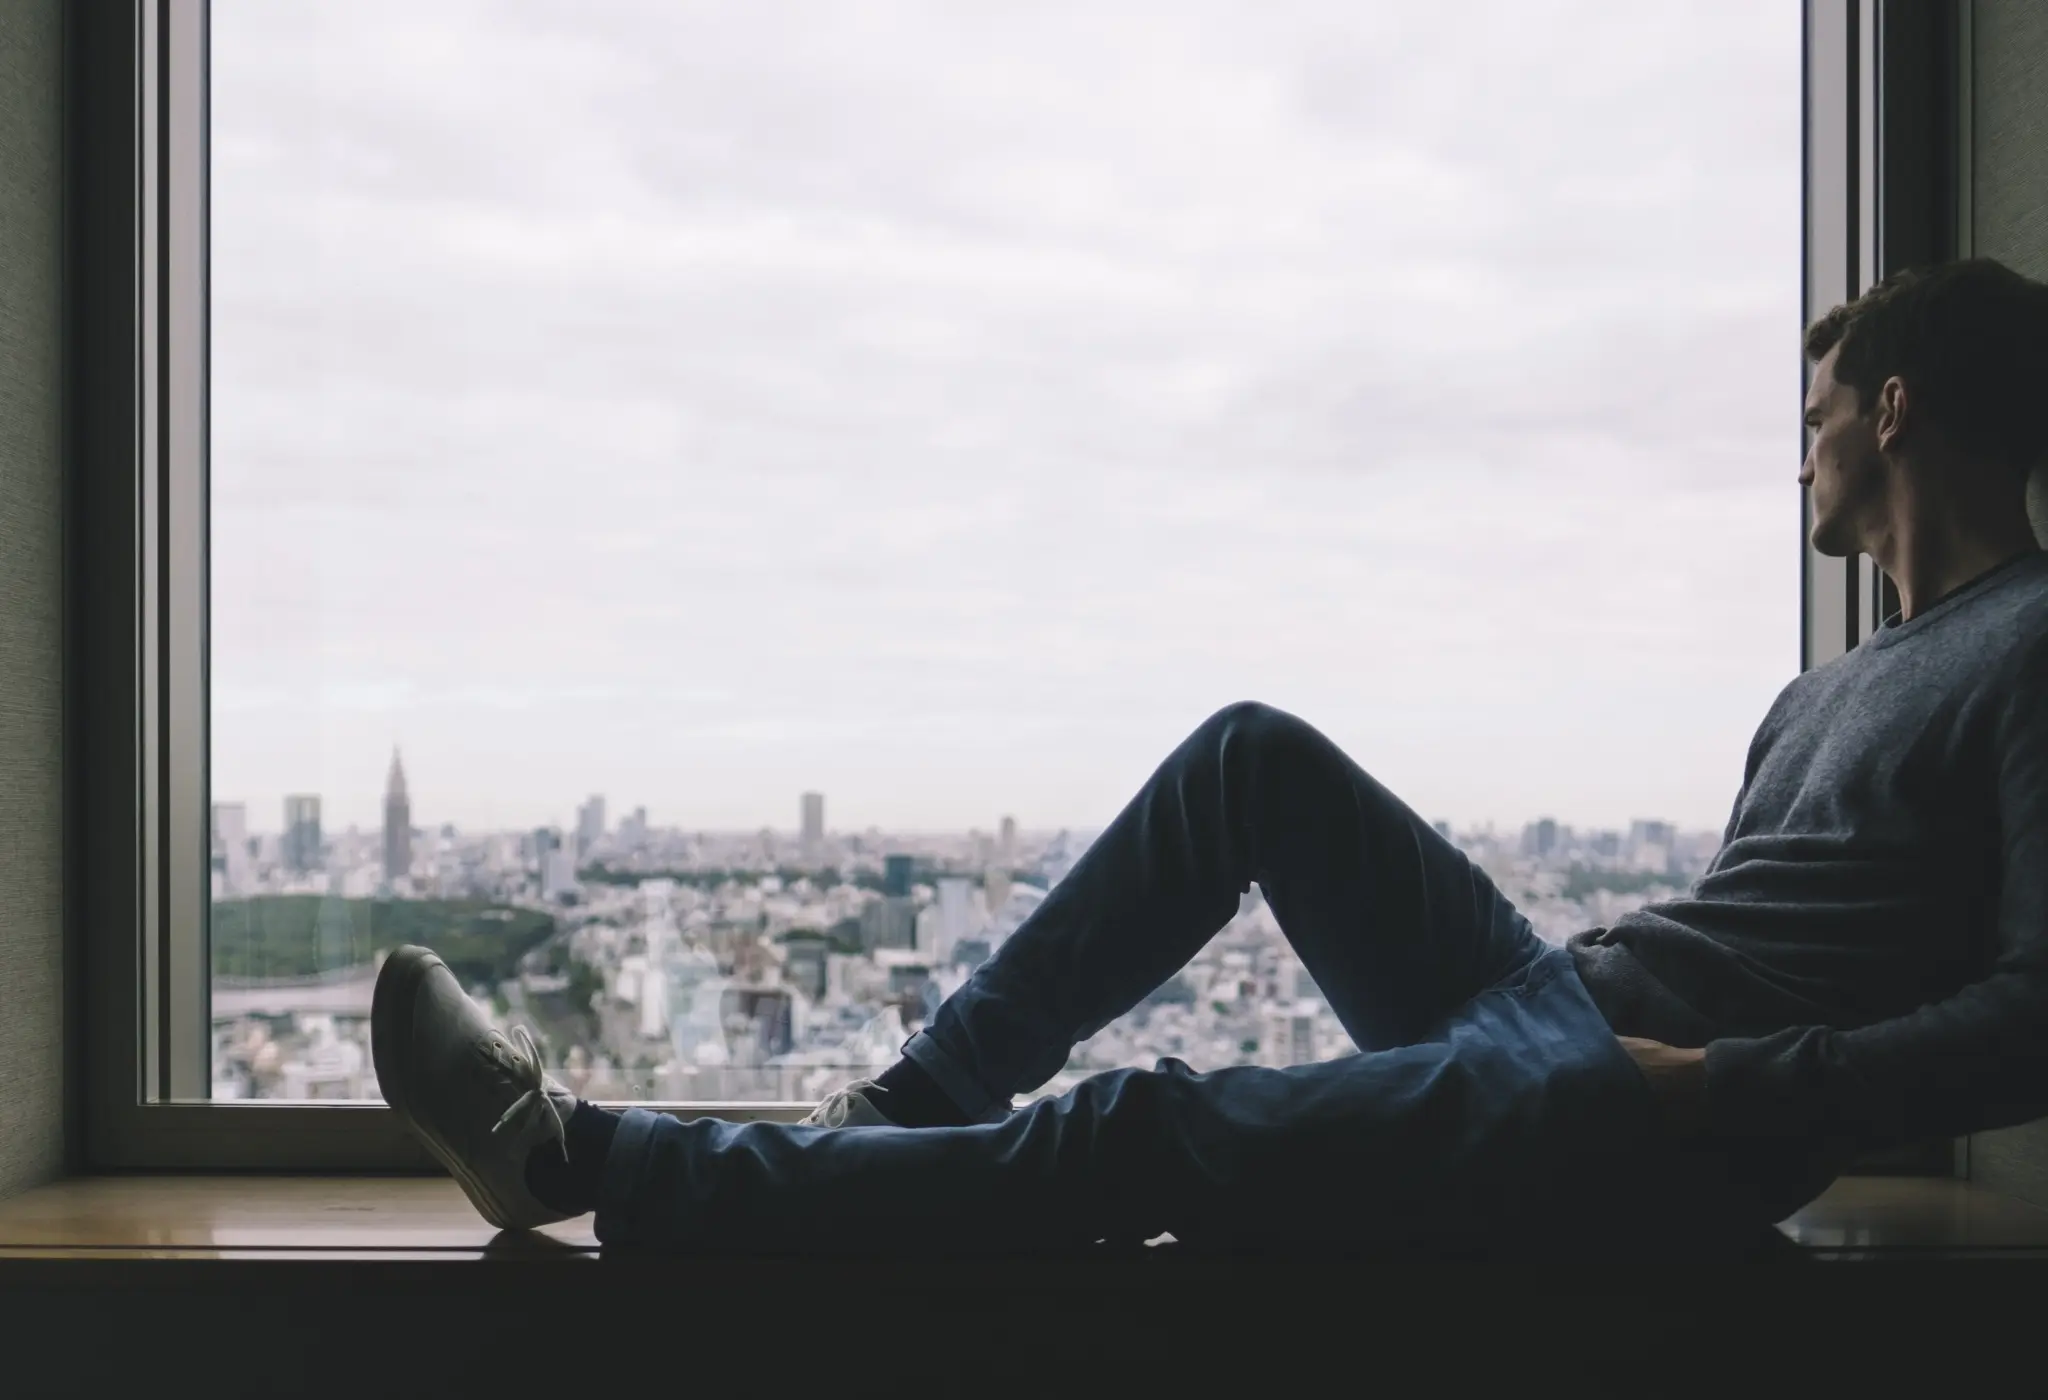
column 945, row 406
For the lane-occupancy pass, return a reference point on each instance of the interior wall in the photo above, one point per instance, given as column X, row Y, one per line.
column 2009, row 123
column 32, row 1120
column 2009, row 221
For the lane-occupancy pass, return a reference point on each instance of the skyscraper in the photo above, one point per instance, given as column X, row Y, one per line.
column 397, row 825
column 301, row 845
column 896, row 876
column 554, row 861
column 995, row 887
column 1650, row 845
column 814, row 826
column 1006, row 842
column 958, row 919
column 589, row 824
column 633, row 829
column 231, row 846
column 558, row 873
column 805, row 960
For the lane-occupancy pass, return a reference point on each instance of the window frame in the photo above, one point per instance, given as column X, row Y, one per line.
column 137, row 838
column 137, row 517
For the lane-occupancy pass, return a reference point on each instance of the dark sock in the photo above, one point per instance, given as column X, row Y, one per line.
column 571, row 1186
column 910, row 1098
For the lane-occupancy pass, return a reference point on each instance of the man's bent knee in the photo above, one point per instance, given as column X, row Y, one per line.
column 1268, row 731
column 1256, row 720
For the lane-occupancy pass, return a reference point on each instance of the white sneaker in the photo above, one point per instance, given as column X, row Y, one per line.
column 476, row 1097
column 849, row 1107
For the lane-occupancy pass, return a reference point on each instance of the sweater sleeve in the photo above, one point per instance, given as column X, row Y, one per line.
column 1975, row 1060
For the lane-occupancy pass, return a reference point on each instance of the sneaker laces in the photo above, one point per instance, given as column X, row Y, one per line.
column 520, row 1058
column 836, row 1107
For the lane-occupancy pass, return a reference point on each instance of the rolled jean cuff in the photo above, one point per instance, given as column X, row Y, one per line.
column 955, row 1083
column 618, row 1185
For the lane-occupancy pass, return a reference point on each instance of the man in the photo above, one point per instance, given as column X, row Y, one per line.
column 1865, row 963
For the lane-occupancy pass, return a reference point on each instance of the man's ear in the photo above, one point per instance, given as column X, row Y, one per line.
column 1892, row 405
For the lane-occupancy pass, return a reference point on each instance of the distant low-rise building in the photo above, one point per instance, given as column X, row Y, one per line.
column 889, row 922
column 301, row 847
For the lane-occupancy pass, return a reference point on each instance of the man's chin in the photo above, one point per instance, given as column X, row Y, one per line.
column 1824, row 543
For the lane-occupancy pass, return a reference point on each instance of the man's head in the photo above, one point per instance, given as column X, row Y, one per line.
column 1937, row 376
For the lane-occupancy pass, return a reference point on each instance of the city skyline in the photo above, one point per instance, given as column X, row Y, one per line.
column 1001, row 833
column 700, row 967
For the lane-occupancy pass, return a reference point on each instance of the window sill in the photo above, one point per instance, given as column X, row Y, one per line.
column 251, row 1217
column 427, row 1218
column 342, row 1285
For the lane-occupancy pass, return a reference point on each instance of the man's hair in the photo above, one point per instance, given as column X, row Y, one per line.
column 1970, row 340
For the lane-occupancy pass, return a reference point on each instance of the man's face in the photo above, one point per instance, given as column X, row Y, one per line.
column 1843, row 469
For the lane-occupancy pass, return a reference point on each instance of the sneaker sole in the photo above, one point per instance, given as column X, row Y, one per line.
column 391, row 1008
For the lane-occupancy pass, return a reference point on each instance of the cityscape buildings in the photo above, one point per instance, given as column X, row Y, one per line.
column 662, row 964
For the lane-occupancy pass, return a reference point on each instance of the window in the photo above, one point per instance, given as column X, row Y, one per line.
column 705, row 510
column 635, row 428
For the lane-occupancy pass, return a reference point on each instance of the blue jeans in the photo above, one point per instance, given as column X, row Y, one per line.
column 1489, row 1099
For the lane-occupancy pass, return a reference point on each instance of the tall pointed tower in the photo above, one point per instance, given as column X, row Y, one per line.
column 397, row 825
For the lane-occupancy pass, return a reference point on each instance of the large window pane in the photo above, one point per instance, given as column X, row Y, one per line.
column 631, row 420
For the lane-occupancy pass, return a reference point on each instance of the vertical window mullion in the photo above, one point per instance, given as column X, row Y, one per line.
column 149, row 551
column 1832, row 590
column 187, row 859
column 175, row 1032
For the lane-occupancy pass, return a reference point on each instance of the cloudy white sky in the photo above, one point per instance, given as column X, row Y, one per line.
column 945, row 406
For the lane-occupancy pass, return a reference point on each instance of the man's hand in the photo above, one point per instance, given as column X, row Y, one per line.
column 1678, row 1079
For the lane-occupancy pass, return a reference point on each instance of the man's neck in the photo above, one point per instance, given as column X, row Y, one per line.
column 1932, row 543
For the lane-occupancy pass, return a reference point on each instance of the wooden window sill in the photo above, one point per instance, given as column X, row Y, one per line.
column 427, row 1219
column 340, row 1285
column 387, row 1217
column 1896, row 1216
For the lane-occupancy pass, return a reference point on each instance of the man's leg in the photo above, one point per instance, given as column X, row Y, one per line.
column 1489, row 1085
column 1519, row 1119
column 1395, row 924
column 1517, row 1115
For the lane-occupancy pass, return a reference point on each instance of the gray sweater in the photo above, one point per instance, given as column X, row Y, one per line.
column 1866, row 960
